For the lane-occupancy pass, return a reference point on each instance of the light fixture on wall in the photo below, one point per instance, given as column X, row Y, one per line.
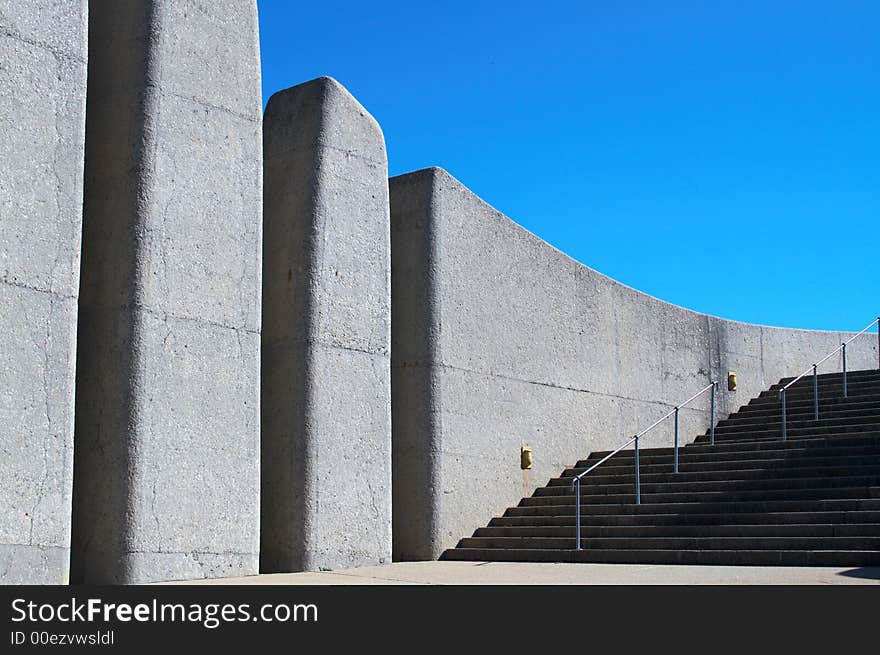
column 525, row 458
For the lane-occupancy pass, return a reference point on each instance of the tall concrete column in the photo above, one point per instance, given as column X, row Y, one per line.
column 166, row 482
column 415, row 375
column 326, row 406
column 42, row 121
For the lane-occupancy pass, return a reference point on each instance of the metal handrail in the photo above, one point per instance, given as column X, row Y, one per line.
column 576, row 481
column 815, row 369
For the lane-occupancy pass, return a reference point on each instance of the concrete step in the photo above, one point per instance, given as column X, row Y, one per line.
column 590, row 531
column 806, row 382
column 771, row 413
column 860, row 374
column 734, row 458
column 804, row 403
column 859, row 394
column 742, row 442
column 737, row 557
column 602, row 476
column 677, row 543
column 565, row 507
column 775, row 432
column 747, row 441
column 711, row 486
column 804, row 430
column 775, row 421
column 818, row 441
column 791, row 463
column 735, row 495
column 732, row 518
column 830, row 423
column 824, row 446
column 770, row 417
column 853, row 387
column 826, row 380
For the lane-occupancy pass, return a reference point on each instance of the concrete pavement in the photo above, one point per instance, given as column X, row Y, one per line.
column 528, row 573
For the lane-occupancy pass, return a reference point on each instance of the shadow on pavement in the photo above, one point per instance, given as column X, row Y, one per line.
column 867, row 572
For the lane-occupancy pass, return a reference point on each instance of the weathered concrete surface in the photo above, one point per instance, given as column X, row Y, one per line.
column 166, row 481
column 536, row 573
column 326, row 396
column 500, row 341
column 42, row 122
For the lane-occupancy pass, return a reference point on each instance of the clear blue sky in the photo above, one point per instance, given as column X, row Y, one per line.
column 723, row 156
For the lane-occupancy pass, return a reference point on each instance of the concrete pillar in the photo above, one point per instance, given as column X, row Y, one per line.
column 167, row 428
column 415, row 203
column 42, row 120
column 326, row 406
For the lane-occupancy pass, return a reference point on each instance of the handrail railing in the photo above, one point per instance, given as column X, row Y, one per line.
column 815, row 369
column 576, row 481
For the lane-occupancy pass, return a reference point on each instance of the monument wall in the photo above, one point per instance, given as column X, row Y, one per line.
column 501, row 341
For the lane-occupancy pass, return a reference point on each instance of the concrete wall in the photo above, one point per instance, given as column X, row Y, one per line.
column 166, row 482
column 500, row 341
column 42, row 117
column 326, row 376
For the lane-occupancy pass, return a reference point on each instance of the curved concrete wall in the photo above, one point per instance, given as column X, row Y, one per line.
column 500, row 340
column 42, row 122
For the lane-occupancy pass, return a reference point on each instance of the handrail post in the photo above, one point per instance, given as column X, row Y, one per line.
column 638, row 481
column 712, row 416
column 878, row 342
column 782, row 398
column 577, row 512
column 815, row 393
column 844, row 369
column 675, row 446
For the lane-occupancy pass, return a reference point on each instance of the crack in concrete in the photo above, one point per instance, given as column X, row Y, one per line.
column 208, row 105
column 29, row 287
column 47, row 367
column 370, row 577
column 155, row 514
column 134, row 307
column 536, row 382
column 383, row 353
column 55, row 52
column 321, row 144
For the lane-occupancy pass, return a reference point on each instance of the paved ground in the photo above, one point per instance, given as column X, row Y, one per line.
column 464, row 573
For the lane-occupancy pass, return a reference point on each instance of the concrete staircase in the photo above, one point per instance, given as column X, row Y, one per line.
column 751, row 499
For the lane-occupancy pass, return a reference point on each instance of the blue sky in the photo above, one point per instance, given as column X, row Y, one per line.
column 723, row 156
